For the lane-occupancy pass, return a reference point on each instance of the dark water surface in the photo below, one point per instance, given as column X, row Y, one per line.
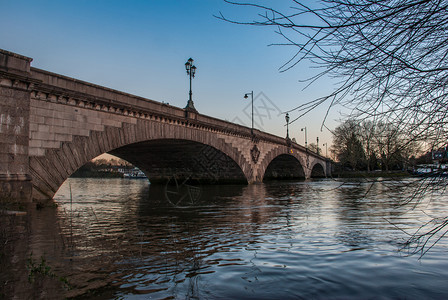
column 126, row 239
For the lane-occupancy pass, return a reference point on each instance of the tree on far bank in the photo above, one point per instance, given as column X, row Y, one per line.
column 314, row 148
column 389, row 144
column 347, row 146
column 367, row 145
column 367, row 138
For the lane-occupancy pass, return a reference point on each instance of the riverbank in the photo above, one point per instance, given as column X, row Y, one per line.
column 373, row 174
column 96, row 174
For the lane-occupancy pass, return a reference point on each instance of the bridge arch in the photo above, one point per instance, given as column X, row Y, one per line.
column 318, row 170
column 163, row 159
column 49, row 172
column 282, row 163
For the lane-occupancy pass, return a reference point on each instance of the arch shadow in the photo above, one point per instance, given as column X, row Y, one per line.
column 284, row 167
column 318, row 171
column 164, row 159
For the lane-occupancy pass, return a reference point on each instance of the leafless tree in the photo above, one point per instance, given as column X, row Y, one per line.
column 347, row 144
column 357, row 143
column 389, row 142
column 388, row 57
column 367, row 136
column 314, row 148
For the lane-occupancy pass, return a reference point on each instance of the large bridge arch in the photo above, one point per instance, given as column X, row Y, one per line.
column 163, row 159
column 49, row 171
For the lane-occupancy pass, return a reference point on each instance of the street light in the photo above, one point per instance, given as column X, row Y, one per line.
column 317, row 140
column 287, row 126
column 191, row 69
column 326, row 149
column 306, row 139
column 245, row 97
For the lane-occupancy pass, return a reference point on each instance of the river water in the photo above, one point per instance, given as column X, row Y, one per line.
column 322, row 239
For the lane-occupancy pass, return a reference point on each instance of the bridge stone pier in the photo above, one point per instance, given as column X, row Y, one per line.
column 51, row 125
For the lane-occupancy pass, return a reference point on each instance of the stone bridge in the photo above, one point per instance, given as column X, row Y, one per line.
column 51, row 125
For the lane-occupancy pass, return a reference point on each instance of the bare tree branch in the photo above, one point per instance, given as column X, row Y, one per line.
column 390, row 60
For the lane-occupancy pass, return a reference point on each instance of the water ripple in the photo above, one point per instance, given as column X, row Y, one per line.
column 300, row 240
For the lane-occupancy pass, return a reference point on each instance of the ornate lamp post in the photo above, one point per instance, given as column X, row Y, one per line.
column 287, row 126
column 191, row 70
column 306, row 138
column 245, row 97
column 317, row 140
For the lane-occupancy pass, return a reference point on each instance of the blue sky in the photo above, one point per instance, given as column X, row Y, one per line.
column 140, row 47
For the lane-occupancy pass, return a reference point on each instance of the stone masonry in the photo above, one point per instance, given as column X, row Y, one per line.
column 16, row 85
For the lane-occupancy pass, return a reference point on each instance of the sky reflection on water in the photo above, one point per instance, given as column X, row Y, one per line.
column 312, row 239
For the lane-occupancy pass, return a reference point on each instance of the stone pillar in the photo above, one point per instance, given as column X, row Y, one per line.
column 15, row 93
column 329, row 167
